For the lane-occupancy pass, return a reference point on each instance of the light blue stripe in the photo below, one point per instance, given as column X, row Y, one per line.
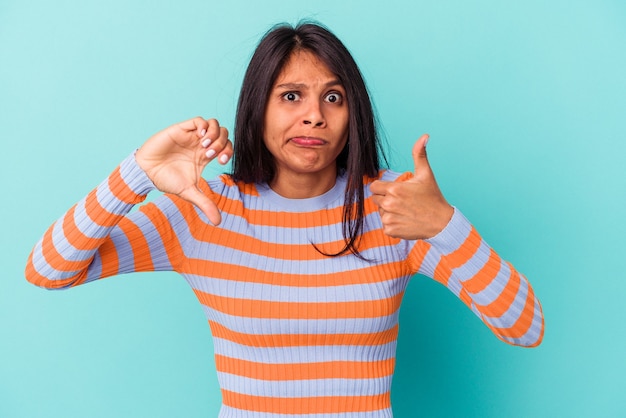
column 42, row 267
column 262, row 326
column 469, row 270
column 296, row 235
column 269, row 292
column 156, row 246
column 475, row 264
column 86, row 225
column 452, row 236
column 534, row 332
column 229, row 412
column 304, row 354
column 327, row 265
column 490, row 293
column 513, row 313
column 109, row 201
column 64, row 247
column 125, row 255
column 134, row 177
column 304, row 388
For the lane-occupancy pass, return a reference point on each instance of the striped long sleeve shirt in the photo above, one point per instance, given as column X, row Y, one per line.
column 296, row 333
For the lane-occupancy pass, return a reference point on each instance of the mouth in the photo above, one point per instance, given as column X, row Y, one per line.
column 307, row 141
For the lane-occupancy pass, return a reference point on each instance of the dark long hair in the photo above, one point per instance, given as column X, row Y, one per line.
column 253, row 163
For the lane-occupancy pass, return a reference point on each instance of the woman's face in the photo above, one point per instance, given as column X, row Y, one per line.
column 306, row 119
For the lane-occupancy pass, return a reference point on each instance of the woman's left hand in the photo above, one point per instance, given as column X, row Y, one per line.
column 414, row 208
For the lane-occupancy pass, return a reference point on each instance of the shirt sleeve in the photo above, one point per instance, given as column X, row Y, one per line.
column 460, row 259
column 98, row 237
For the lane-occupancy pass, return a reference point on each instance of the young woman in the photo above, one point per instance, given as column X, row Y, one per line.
column 301, row 256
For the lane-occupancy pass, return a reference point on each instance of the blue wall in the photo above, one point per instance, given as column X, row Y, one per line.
column 525, row 102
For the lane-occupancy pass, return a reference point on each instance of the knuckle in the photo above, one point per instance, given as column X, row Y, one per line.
column 389, row 230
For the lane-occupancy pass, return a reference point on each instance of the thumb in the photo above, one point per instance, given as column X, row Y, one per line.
column 202, row 202
column 420, row 159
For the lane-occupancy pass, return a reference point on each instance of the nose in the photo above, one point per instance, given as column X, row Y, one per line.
column 314, row 115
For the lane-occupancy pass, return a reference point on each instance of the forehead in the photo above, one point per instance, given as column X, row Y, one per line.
column 304, row 67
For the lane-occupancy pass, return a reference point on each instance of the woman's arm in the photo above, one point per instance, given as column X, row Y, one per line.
column 97, row 238
column 451, row 251
column 460, row 259
column 66, row 255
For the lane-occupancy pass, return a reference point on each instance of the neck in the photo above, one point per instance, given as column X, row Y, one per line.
column 303, row 186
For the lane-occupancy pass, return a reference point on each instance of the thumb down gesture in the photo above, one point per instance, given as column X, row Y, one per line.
column 413, row 208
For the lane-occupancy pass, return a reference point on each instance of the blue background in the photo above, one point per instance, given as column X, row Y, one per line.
column 525, row 102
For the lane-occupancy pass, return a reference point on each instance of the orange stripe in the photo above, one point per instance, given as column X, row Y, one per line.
column 458, row 257
column 235, row 272
column 110, row 259
column 303, row 252
column 305, row 371
column 302, row 340
column 505, row 299
column 55, row 259
column 524, row 322
column 97, row 213
column 281, row 219
column 38, row 280
column 417, row 255
column 245, row 188
column 485, row 276
column 264, row 309
column 120, row 189
column 139, row 245
column 250, row 188
column 197, row 227
column 74, row 236
column 169, row 239
column 465, row 297
column 312, row 405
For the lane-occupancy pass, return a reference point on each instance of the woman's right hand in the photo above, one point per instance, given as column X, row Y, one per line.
column 175, row 158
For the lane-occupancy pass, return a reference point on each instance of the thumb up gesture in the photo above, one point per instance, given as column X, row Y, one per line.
column 414, row 208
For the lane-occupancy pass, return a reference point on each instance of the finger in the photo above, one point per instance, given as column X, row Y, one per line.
column 378, row 200
column 209, row 130
column 420, row 159
column 201, row 126
column 206, row 205
column 379, row 187
column 197, row 125
column 221, row 146
column 226, row 154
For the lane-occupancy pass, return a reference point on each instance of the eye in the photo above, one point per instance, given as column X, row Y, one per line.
column 291, row 96
column 334, row 97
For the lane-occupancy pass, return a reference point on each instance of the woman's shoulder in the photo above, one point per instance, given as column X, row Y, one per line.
column 224, row 184
column 387, row 175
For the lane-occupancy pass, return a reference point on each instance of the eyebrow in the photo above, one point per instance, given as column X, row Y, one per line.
column 300, row 86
